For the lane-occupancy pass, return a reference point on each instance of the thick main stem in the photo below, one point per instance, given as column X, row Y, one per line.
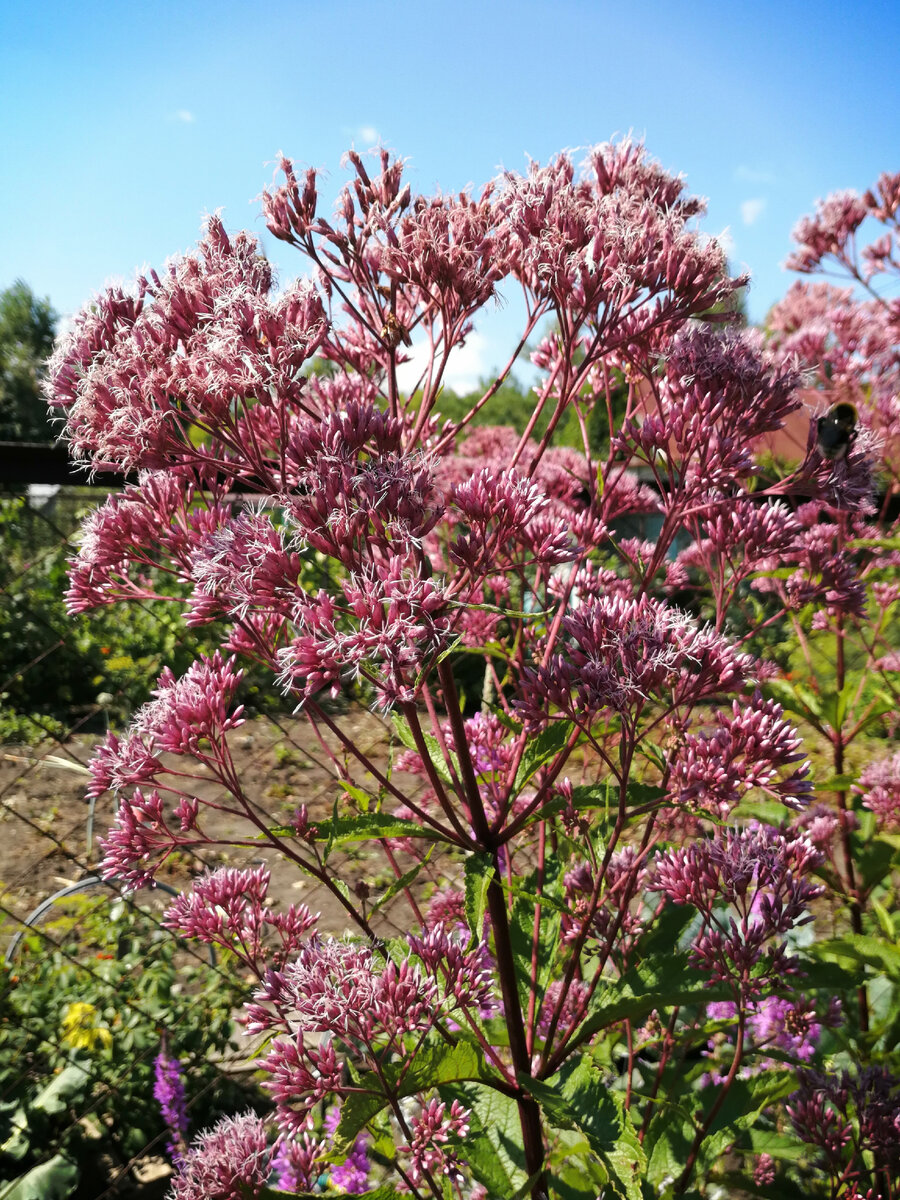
column 529, row 1110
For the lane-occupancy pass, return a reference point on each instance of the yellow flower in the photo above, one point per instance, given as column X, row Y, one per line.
column 80, row 1028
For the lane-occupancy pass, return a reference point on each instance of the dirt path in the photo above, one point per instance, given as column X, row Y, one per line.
column 45, row 839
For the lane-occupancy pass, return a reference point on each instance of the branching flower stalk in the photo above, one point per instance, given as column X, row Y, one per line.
column 576, row 855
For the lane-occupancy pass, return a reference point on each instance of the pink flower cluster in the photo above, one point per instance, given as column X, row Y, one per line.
column 228, row 908
column 879, row 785
column 759, row 874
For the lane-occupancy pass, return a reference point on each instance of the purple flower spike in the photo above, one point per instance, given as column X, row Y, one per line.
column 168, row 1090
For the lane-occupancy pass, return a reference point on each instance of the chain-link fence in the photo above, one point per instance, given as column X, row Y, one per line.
column 95, row 988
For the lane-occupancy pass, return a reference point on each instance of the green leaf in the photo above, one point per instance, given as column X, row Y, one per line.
column 776, row 1145
column 495, row 1154
column 874, row 543
column 885, row 920
column 371, row 826
column 52, row 1180
column 479, row 871
column 540, row 749
column 836, row 783
column 796, row 698
column 581, row 1098
column 403, row 882
column 873, row 860
column 71, row 1084
column 745, row 1101
column 433, row 1065
column 362, row 798
column 862, row 950
column 435, row 753
column 660, row 981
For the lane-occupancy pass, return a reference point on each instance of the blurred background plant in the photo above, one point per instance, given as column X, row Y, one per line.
column 90, row 999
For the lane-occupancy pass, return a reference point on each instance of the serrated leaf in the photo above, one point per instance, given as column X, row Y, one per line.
column 496, row 1158
column 433, row 1065
column 581, row 1098
column 371, row 826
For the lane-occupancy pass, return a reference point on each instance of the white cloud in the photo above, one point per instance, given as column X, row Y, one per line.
column 367, row 135
column 186, row 116
column 752, row 210
column 726, row 241
column 746, row 174
column 468, row 365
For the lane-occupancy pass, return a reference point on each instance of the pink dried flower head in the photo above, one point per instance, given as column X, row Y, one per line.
column 764, row 1171
column 431, row 1130
column 463, row 977
column 359, row 494
column 884, row 204
column 298, row 1162
column 139, row 841
column 337, row 987
column 300, row 1075
column 228, row 908
column 624, row 877
column 620, row 654
column 747, row 750
column 720, row 392
column 196, row 346
column 822, row 1108
column 829, row 232
column 575, row 997
column 503, row 514
column 879, row 785
column 612, row 242
column 759, row 873
column 820, row 824
column 390, row 623
column 194, row 708
column 228, row 1162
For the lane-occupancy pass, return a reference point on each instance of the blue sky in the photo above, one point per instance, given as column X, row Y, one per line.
column 123, row 122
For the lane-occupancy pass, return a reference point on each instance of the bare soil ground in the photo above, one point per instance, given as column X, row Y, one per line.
column 45, row 834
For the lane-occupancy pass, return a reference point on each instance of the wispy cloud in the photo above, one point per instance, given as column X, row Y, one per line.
column 468, row 364
column 752, row 210
column 368, row 135
column 726, row 241
column 746, row 174
column 185, row 116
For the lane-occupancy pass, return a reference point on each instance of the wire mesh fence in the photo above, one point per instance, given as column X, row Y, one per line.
column 95, row 987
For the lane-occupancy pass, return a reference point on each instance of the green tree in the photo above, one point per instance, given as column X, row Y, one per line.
column 27, row 331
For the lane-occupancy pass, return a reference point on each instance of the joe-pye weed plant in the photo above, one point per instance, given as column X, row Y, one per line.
column 603, row 988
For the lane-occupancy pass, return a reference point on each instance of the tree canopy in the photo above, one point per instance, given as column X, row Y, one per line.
column 27, row 331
